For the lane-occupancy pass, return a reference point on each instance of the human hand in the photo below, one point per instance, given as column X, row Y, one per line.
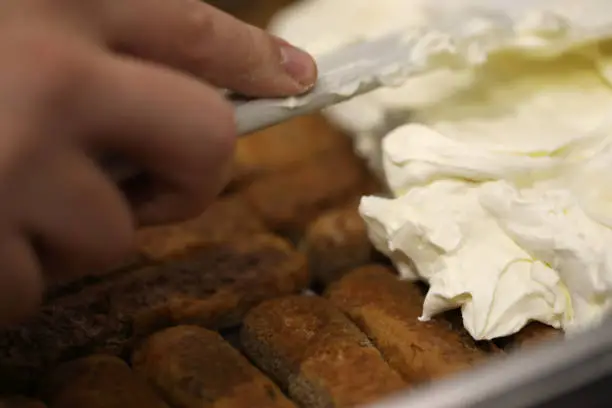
column 139, row 78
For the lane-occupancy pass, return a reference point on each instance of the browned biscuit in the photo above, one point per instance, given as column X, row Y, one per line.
column 57, row 286
column 226, row 218
column 98, row 382
column 20, row 402
column 533, row 334
column 455, row 319
column 373, row 186
column 212, row 286
column 195, row 368
column 336, row 242
column 387, row 310
column 289, row 200
column 284, row 146
column 316, row 354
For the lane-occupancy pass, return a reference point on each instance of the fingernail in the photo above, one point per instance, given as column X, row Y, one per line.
column 298, row 64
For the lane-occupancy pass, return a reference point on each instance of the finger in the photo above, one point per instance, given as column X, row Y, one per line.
column 84, row 225
column 175, row 127
column 21, row 283
column 196, row 37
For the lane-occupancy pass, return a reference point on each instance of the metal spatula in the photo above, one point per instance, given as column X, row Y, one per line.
column 348, row 72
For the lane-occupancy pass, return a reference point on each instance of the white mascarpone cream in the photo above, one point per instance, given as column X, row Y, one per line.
column 501, row 172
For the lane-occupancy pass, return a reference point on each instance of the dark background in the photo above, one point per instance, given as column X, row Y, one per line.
column 257, row 12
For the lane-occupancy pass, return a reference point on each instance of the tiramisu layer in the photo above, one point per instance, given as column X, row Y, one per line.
column 387, row 310
column 195, row 368
column 98, row 382
column 213, row 285
column 316, row 353
column 336, row 242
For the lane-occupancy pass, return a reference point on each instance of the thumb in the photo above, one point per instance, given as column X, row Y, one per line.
column 197, row 38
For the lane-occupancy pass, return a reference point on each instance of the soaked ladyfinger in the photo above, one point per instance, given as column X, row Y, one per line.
column 99, row 382
column 336, row 242
column 532, row 335
column 289, row 200
column 212, row 286
column 226, row 218
column 195, row 368
column 285, row 146
column 317, row 355
column 387, row 310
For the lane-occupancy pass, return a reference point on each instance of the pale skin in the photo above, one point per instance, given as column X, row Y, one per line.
column 136, row 77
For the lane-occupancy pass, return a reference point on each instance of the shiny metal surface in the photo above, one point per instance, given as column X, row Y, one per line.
column 541, row 377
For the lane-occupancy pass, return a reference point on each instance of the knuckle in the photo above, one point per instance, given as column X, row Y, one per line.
column 63, row 74
column 205, row 36
column 54, row 68
column 254, row 50
column 200, row 26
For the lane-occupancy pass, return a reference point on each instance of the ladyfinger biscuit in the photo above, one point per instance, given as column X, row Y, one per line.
column 226, row 218
column 284, row 146
column 212, row 286
column 336, row 242
column 533, row 334
column 20, row 402
column 195, row 368
column 98, row 382
column 387, row 310
column 289, row 200
column 455, row 319
column 317, row 355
